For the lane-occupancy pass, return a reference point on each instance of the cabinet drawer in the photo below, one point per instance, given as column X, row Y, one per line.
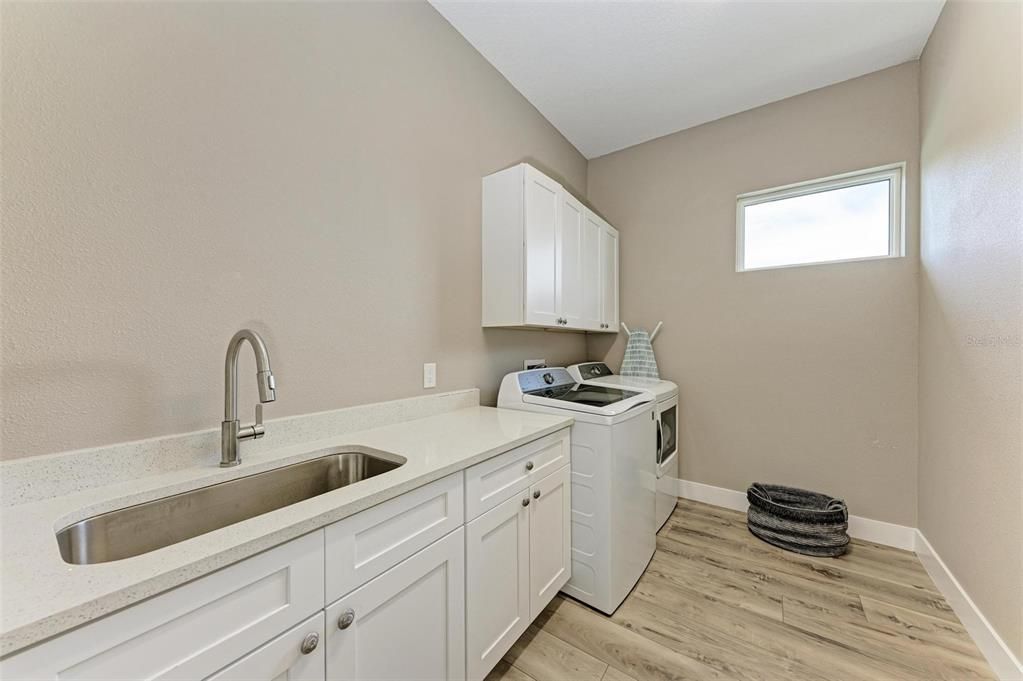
column 282, row 659
column 491, row 482
column 192, row 631
column 368, row 543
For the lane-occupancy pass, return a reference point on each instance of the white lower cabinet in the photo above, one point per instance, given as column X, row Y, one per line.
column 408, row 623
column 295, row 655
column 550, row 539
column 428, row 597
column 496, row 583
column 517, row 558
column 192, row 631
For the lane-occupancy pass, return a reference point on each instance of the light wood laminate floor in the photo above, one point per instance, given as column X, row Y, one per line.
column 717, row 603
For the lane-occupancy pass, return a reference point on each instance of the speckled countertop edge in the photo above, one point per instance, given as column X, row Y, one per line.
column 43, row 597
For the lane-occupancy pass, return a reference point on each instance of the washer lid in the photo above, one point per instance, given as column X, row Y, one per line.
column 589, row 398
column 659, row 387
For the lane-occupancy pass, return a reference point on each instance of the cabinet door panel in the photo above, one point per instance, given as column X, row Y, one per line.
column 542, row 229
column 282, row 659
column 497, row 583
column 609, row 277
column 570, row 261
column 408, row 623
column 550, row 538
column 590, row 269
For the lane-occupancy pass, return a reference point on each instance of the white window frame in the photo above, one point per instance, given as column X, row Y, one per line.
column 894, row 172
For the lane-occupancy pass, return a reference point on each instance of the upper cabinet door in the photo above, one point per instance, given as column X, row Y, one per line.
column 591, row 318
column 570, row 261
column 542, row 230
column 609, row 277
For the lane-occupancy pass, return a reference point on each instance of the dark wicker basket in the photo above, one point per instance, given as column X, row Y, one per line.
column 798, row 520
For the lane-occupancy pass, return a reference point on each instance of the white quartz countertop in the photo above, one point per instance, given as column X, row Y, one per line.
column 42, row 596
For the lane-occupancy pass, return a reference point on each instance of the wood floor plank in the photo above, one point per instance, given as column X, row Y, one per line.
column 545, row 657
column 731, row 656
column 618, row 647
column 745, row 578
column 834, row 660
column 717, row 603
column 742, row 593
column 505, row 671
column 785, row 572
column 613, row 674
column 940, row 632
column 890, row 645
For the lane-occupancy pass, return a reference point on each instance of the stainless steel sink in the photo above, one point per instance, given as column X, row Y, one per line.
column 146, row 527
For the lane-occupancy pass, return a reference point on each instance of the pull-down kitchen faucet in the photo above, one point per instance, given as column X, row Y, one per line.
column 230, row 430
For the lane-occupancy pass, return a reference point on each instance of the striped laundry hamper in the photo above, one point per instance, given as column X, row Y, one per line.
column 798, row 520
column 639, row 360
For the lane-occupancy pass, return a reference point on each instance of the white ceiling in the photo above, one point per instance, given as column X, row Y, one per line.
column 612, row 74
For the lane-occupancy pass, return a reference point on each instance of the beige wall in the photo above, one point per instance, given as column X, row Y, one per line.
column 175, row 171
column 803, row 376
column 971, row 466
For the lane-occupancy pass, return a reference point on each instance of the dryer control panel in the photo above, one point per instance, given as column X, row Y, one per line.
column 592, row 370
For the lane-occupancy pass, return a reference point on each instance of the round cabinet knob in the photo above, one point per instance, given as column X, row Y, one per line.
column 529, row 465
column 525, row 502
column 310, row 642
column 536, row 494
column 346, row 619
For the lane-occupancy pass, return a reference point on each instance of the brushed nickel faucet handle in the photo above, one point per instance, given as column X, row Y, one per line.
column 257, row 430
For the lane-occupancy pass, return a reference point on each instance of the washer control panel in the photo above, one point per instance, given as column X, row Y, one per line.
column 539, row 379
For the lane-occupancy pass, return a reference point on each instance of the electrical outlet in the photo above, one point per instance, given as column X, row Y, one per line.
column 528, row 364
column 430, row 375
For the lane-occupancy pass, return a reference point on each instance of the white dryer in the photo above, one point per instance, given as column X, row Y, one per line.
column 613, row 478
column 665, row 452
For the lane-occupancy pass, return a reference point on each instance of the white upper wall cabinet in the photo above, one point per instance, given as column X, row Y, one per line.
column 548, row 260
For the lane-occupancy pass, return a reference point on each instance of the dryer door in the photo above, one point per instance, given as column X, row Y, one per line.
column 667, row 432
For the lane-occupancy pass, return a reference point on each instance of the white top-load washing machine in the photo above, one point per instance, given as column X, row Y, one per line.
column 613, row 478
column 666, row 450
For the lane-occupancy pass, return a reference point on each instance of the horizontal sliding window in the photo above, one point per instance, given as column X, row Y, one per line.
column 855, row 216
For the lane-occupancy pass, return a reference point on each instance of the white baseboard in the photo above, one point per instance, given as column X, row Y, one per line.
column 991, row 645
column 877, row 531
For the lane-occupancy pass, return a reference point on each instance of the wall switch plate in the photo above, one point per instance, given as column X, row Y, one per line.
column 528, row 364
column 430, row 375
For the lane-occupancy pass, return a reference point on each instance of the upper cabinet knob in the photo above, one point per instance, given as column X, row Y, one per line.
column 536, row 494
